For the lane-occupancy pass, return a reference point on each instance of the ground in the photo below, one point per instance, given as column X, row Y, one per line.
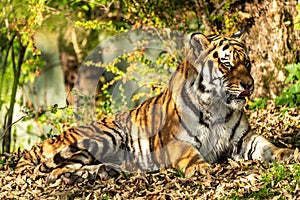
column 228, row 180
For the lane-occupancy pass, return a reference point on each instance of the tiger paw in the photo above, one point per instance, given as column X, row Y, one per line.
column 90, row 173
column 283, row 154
column 201, row 168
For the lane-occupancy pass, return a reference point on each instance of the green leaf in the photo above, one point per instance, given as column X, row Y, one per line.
column 258, row 103
column 293, row 71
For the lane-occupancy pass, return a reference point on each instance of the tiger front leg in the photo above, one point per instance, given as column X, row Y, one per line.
column 254, row 146
column 185, row 157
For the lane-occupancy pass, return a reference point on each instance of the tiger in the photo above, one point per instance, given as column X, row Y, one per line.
column 199, row 119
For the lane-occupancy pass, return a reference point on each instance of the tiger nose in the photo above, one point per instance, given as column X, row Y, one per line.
column 247, row 84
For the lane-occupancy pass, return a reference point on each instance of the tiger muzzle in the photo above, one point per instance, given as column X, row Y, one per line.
column 244, row 93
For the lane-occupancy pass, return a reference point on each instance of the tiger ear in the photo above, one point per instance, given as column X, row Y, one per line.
column 199, row 42
column 240, row 35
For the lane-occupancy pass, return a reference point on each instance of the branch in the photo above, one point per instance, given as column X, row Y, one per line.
column 220, row 6
column 27, row 115
column 202, row 5
column 13, row 59
column 7, row 128
column 4, row 65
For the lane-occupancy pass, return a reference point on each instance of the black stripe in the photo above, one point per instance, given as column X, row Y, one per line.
column 201, row 120
column 88, row 127
column 44, row 168
column 160, row 141
column 71, row 134
column 58, row 158
column 151, row 143
column 80, row 158
column 221, row 42
column 225, row 47
column 111, row 136
column 116, row 125
column 126, row 144
column 210, row 64
column 117, row 132
column 98, row 130
column 179, row 118
column 192, row 160
column 74, row 147
column 147, row 124
column 240, row 143
column 199, row 143
column 153, row 116
column 201, row 87
column 167, row 107
column 250, row 153
column 229, row 115
column 137, row 111
column 139, row 143
column 187, row 100
column 222, row 69
column 106, row 147
column 237, row 44
column 122, row 133
column 94, row 148
column 235, row 126
column 187, row 130
column 123, row 129
column 37, row 154
column 112, row 129
column 192, row 82
column 128, row 121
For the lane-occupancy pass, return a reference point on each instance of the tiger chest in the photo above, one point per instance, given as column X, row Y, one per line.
column 219, row 138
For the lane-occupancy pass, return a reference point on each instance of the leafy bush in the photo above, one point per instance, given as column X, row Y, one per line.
column 291, row 95
column 257, row 103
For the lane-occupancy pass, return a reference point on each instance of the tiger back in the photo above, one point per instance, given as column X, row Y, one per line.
column 199, row 119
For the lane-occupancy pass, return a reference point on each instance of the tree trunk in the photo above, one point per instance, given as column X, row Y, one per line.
column 6, row 143
column 273, row 43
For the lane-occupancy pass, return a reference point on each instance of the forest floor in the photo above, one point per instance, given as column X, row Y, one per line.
column 228, row 180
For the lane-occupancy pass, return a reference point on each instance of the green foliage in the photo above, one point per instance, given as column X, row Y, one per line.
column 19, row 56
column 57, row 118
column 257, row 103
column 275, row 177
column 291, row 94
column 277, row 173
column 180, row 173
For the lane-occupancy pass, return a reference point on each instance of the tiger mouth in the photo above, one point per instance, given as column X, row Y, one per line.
column 240, row 96
column 244, row 93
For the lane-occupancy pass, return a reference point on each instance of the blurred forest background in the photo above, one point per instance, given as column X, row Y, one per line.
column 48, row 48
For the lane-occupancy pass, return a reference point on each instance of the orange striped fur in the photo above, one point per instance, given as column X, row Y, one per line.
column 197, row 120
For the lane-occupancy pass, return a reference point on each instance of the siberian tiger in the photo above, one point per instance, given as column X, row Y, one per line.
column 198, row 119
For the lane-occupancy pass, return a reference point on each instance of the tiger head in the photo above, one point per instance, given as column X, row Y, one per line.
column 224, row 67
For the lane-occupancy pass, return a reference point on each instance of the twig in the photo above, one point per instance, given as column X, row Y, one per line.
column 40, row 112
column 220, row 6
column 1, row 137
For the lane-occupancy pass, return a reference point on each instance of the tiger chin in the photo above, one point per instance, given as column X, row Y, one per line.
column 197, row 120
